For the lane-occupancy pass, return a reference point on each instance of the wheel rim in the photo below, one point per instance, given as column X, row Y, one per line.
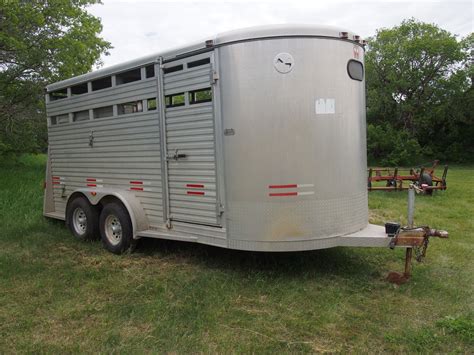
column 113, row 229
column 79, row 221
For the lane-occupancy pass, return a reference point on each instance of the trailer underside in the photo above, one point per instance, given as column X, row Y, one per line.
column 371, row 236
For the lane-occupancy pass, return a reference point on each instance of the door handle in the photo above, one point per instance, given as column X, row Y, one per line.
column 176, row 156
column 91, row 139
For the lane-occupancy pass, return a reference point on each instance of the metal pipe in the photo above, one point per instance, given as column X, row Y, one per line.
column 411, row 206
column 408, row 256
column 164, row 147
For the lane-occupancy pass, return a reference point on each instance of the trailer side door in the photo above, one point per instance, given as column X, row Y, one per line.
column 189, row 141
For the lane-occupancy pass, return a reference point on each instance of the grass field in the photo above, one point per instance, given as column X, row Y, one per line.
column 61, row 295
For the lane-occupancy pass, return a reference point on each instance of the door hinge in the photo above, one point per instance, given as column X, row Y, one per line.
column 215, row 77
column 220, row 209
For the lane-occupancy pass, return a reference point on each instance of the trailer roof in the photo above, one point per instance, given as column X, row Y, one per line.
column 285, row 30
column 245, row 34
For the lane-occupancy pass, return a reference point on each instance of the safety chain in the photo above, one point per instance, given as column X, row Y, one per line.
column 420, row 251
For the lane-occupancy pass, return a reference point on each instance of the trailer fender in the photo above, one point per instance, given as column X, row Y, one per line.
column 131, row 203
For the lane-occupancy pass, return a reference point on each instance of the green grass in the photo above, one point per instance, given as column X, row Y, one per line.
column 61, row 295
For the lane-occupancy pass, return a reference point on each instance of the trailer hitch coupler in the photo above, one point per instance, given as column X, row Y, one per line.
column 438, row 233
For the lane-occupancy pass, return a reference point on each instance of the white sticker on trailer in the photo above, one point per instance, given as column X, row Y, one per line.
column 325, row 106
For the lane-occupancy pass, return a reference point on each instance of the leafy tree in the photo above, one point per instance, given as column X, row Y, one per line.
column 389, row 146
column 419, row 81
column 40, row 42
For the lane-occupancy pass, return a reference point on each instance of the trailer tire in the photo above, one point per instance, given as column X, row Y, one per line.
column 116, row 229
column 82, row 219
column 427, row 180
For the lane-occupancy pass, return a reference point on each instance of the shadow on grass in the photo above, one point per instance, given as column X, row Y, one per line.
column 340, row 262
column 329, row 262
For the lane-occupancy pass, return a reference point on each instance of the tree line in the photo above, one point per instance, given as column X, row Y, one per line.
column 419, row 81
column 40, row 42
column 420, row 97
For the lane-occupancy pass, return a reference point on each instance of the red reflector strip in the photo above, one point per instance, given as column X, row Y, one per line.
column 56, row 182
column 195, row 193
column 284, row 194
column 136, row 182
column 56, row 177
column 91, row 185
column 137, row 188
column 197, row 186
column 291, row 186
column 90, row 179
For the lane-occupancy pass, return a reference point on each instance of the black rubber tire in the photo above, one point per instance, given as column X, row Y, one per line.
column 120, row 212
column 426, row 179
column 92, row 219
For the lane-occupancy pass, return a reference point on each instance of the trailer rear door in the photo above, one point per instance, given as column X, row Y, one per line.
column 188, row 122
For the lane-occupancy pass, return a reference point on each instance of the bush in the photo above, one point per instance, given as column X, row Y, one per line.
column 391, row 147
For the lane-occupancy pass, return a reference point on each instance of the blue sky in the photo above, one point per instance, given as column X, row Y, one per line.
column 142, row 27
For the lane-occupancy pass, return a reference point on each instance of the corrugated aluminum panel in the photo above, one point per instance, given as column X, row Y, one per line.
column 142, row 89
column 125, row 148
column 190, row 131
column 187, row 79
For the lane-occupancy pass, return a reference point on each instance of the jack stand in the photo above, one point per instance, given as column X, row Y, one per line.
column 408, row 255
column 411, row 223
column 399, row 278
column 412, row 237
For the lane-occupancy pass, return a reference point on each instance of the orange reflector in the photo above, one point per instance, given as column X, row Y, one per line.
column 93, row 193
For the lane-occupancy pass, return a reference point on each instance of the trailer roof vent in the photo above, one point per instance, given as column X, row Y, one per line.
column 128, row 76
column 106, row 111
column 173, row 69
column 150, row 71
column 79, row 89
column 199, row 62
column 80, row 116
column 58, row 94
column 102, row 83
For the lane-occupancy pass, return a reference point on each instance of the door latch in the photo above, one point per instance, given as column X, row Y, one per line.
column 91, row 139
column 176, row 156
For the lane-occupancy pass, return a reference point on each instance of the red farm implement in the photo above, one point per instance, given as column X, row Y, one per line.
column 423, row 178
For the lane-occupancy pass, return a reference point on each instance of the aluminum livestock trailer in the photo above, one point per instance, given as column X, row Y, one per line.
column 242, row 141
